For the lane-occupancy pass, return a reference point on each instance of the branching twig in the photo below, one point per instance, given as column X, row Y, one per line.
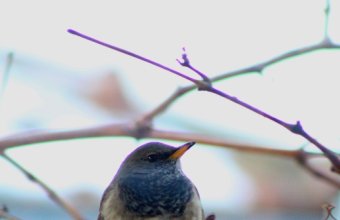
column 206, row 85
column 326, row 43
column 294, row 128
column 52, row 195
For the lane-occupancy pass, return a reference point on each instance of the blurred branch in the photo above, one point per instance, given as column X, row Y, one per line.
column 303, row 160
column 54, row 196
column 5, row 215
column 5, row 73
column 137, row 130
column 329, row 208
column 327, row 12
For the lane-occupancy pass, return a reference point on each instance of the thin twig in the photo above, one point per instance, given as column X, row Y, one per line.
column 259, row 67
column 294, row 128
column 129, row 53
column 326, row 43
column 52, row 195
column 5, row 73
column 327, row 12
column 254, row 68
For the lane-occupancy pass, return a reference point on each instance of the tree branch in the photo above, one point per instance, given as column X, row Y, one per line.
column 130, row 130
column 294, row 128
column 5, row 215
column 5, row 73
column 303, row 160
column 51, row 194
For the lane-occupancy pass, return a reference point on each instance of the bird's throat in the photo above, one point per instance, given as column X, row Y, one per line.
column 151, row 196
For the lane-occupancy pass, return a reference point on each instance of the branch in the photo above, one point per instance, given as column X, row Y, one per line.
column 131, row 130
column 165, row 104
column 329, row 208
column 303, row 161
column 5, row 215
column 326, row 43
column 54, row 196
column 327, row 12
column 5, row 73
column 294, row 128
column 129, row 53
column 259, row 67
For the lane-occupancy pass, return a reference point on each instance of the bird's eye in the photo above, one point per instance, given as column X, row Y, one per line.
column 152, row 157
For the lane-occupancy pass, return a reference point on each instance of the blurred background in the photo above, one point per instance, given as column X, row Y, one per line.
column 59, row 81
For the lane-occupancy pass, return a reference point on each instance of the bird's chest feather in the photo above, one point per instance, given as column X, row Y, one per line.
column 149, row 196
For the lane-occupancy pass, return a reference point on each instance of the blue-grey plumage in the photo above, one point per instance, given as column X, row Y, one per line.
column 150, row 185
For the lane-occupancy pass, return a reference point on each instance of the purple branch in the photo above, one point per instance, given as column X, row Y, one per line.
column 294, row 128
column 71, row 31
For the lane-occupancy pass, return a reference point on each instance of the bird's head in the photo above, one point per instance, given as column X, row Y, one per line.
column 154, row 156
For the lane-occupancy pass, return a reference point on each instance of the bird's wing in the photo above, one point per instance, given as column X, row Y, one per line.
column 103, row 200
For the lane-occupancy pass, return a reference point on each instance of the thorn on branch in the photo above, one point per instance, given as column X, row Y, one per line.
column 296, row 128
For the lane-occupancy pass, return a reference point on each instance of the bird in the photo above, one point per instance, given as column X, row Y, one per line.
column 150, row 185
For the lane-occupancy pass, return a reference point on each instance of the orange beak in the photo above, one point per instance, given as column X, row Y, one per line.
column 181, row 150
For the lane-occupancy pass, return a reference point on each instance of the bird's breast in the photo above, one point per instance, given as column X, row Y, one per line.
column 150, row 196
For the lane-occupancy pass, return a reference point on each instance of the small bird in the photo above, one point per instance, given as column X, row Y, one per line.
column 150, row 185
